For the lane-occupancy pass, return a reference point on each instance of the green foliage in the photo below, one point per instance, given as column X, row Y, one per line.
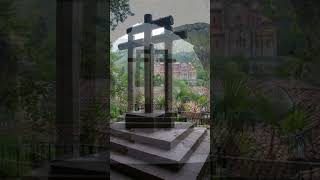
column 119, row 83
column 183, row 91
column 202, row 76
column 269, row 110
column 294, row 122
column 201, row 46
column 7, row 15
column 29, row 88
column 202, row 100
column 292, row 127
column 119, row 11
column 8, row 59
column 307, row 16
column 247, row 145
column 234, row 107
column 158, row 80
column 160, row 101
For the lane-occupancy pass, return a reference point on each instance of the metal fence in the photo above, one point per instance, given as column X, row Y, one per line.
column 199, row 119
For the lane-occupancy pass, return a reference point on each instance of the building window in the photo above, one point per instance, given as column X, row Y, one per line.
column 217, row 43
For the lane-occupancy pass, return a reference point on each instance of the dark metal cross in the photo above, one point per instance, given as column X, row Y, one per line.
column 148, row 43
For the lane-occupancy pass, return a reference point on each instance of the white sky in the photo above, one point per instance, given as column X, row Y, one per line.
column 183, row 12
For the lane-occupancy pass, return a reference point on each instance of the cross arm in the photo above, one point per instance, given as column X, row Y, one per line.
column 155, row 40
column 158, row 23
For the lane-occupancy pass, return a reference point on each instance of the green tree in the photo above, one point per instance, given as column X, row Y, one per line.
column 160, row 102
column 182, row 91
column 119, row 11
column 119, row 81
column 201, row 46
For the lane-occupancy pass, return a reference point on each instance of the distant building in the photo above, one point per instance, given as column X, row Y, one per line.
column 181, row 71
column 238, row 29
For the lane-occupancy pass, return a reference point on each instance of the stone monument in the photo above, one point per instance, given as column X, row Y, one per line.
column 150, row 144
column 149, row 118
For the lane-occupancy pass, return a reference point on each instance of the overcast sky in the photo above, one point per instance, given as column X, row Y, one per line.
column 183, row 12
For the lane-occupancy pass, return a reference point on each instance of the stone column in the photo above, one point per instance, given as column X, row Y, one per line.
column 168, row 71
column 69, row 16
column 148, row 76
column 138, row 58
column 131, row 75
column 148, row 65
column 137, row 74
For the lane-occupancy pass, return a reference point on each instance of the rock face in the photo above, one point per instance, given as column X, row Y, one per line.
column 199, row 37
column 194, row 28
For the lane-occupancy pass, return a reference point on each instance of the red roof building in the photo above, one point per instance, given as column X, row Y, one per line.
column 181, row 71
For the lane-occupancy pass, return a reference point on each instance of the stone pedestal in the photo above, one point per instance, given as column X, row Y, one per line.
column 157, row 119
column 160, row 153
column 179, row 153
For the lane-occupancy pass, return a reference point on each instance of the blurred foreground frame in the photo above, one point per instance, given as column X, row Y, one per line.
column 280, row 153
column 82, row 92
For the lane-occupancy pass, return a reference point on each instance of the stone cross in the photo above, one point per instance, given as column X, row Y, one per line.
column 148, row 43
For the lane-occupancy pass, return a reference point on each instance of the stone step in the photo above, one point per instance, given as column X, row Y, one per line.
column 69, row 177
column 173, row 158
column 96, row 164
column 46, row 172
column 119, row 176
column 159, row 137
column 193, row 168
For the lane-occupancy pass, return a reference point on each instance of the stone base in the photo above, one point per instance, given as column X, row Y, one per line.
column 179, row 153
column 140, row 159
column 158, row 119
column 163, row 138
